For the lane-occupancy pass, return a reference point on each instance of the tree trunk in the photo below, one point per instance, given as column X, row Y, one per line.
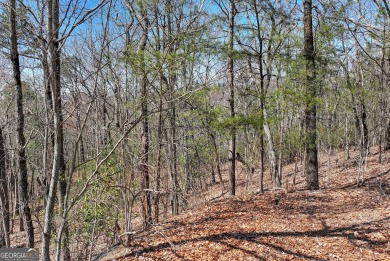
column 58, row 165
column 212, row 163
column 347, row 157
column 146, row 199
column 310, row 113
column 160, row 127
column 387, row 137
column 4, row 200
column 364, row 131
column 21, row 154
column 173, row 168
column 279, row 176
column 387, row 132
column 172, row 115
column 62, row 182
column 3, row 244
column 361, row 126
column 217, row 159
column 271, row 153
column 159, row 159
column 48, row 144
column 262, row 98
column 187, row 167
column 230, row 78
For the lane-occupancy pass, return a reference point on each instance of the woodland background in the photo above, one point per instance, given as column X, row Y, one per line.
column 114, row 113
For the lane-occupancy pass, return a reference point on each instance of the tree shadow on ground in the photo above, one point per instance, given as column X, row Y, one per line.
column 348, row 232
column 366, row 180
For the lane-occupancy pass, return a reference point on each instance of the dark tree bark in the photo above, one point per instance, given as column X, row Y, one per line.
column 310, row 113
column 2, row 235
column 262, row 94
column 4, row 199
column 364, row 127
column 360, row 114
column 230, row 78
column 21, row 140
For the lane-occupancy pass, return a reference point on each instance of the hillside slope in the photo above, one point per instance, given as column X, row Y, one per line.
column 339, row 222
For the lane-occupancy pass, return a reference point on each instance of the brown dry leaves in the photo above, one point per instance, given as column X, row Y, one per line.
column 343, row 222
column 321, row 225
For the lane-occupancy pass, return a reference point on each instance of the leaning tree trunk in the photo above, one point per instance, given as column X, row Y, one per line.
column 310, row 113
column 21, row 140
column 4, row 200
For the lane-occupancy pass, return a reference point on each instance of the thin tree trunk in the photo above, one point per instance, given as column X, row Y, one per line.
column 262, row 96
column 381, row 102
column 48, row 144
column 364, row 127
column 187, row 166
column 172, row 115
column 280, row 158
column 58, row 155
column 271, row 152
column 2, row 235
column 387, row 137
column 21, row 154
column 160, row 126
column 230, row 78
column 261, row 161
column 4, row 200
column 310, row 114
column 159, row 159
column 146, row 199
column 217, row 159
column 347, row 157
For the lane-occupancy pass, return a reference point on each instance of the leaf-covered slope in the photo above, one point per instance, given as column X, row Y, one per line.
column 340, row 222
column 346, row 224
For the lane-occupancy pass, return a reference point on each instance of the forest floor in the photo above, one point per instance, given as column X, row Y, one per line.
column 341, row 221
